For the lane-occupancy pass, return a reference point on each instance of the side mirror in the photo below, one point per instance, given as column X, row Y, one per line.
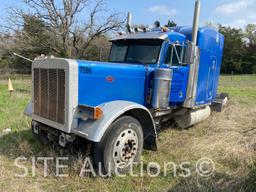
column 190, row 53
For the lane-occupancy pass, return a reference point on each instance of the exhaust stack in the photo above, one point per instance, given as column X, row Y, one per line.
column 129, row 23
column 193, row 56
column 196, row 21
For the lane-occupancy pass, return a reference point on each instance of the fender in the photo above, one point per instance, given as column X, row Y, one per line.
column 94, row 130
column 29, row 109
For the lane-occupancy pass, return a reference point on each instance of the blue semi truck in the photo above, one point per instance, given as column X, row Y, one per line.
column 152, row 76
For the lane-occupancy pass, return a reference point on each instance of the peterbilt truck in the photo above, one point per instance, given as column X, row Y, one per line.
column 151, row 77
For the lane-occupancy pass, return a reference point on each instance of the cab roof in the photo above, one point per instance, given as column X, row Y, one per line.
column 175, row 34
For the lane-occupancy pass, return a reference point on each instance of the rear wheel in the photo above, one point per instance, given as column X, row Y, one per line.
column 120, row 147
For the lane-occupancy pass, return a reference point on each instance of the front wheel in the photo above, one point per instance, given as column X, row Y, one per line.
column 120, row 147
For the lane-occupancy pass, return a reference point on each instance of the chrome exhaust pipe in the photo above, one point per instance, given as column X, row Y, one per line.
column 193, row 57
column 196, row 21
column 129, row 23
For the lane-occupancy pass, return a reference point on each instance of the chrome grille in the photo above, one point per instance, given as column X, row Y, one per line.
column 49, row 94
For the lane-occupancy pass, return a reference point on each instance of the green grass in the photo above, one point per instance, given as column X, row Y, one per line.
column 12, row 106
column 228, row 138
column 240, row 88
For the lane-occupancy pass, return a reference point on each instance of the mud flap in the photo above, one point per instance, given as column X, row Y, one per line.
column 220, row 102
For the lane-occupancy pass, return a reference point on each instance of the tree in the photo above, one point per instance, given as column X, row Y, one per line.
column 212, row 25
column 239, row 50
column 36, row 37
column 250, row 49
column 61, row 18
column 171, row 24
column 250, row 33
column 31, row 41
column 99, row 49
column 233, row 50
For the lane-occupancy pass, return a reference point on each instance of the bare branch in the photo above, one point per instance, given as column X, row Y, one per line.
column 62, row 20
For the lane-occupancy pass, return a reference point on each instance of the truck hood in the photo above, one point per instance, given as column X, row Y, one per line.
column 101, row 82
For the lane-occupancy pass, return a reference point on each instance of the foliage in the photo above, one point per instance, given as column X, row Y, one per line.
column 55, row 28
column 171, row 24
column 239, row 50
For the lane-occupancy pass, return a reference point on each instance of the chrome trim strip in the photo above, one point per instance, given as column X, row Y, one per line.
column 148, row 35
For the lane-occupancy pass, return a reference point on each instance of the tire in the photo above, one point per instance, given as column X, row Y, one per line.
column 121, row 146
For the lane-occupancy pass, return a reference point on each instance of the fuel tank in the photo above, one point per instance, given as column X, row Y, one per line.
column 161, row 90
column 193, row 117
column 100, row 82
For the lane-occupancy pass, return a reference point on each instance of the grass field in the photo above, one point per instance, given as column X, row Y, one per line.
column 228, row 138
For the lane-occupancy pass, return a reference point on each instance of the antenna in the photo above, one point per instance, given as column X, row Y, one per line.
column 16, row 54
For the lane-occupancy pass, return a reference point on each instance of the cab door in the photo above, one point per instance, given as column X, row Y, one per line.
column 172, row 59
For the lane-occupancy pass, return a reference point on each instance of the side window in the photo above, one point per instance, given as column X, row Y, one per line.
column 168, row 55
column 174, row 55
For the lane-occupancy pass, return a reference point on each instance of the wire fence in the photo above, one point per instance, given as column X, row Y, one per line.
column 14, row 73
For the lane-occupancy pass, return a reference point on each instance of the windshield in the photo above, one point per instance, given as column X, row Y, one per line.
column 135, row 51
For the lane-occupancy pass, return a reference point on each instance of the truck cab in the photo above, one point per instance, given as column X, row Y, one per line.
column 134, row 58
column 153, row 76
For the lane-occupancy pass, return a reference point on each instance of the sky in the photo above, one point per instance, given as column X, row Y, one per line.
column 236, row 13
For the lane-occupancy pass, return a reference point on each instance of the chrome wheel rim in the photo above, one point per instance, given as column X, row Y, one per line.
column 126, row 148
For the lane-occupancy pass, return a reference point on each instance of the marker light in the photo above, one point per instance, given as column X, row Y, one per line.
column 97, row 113
column 88, row 112
column 165, row 29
